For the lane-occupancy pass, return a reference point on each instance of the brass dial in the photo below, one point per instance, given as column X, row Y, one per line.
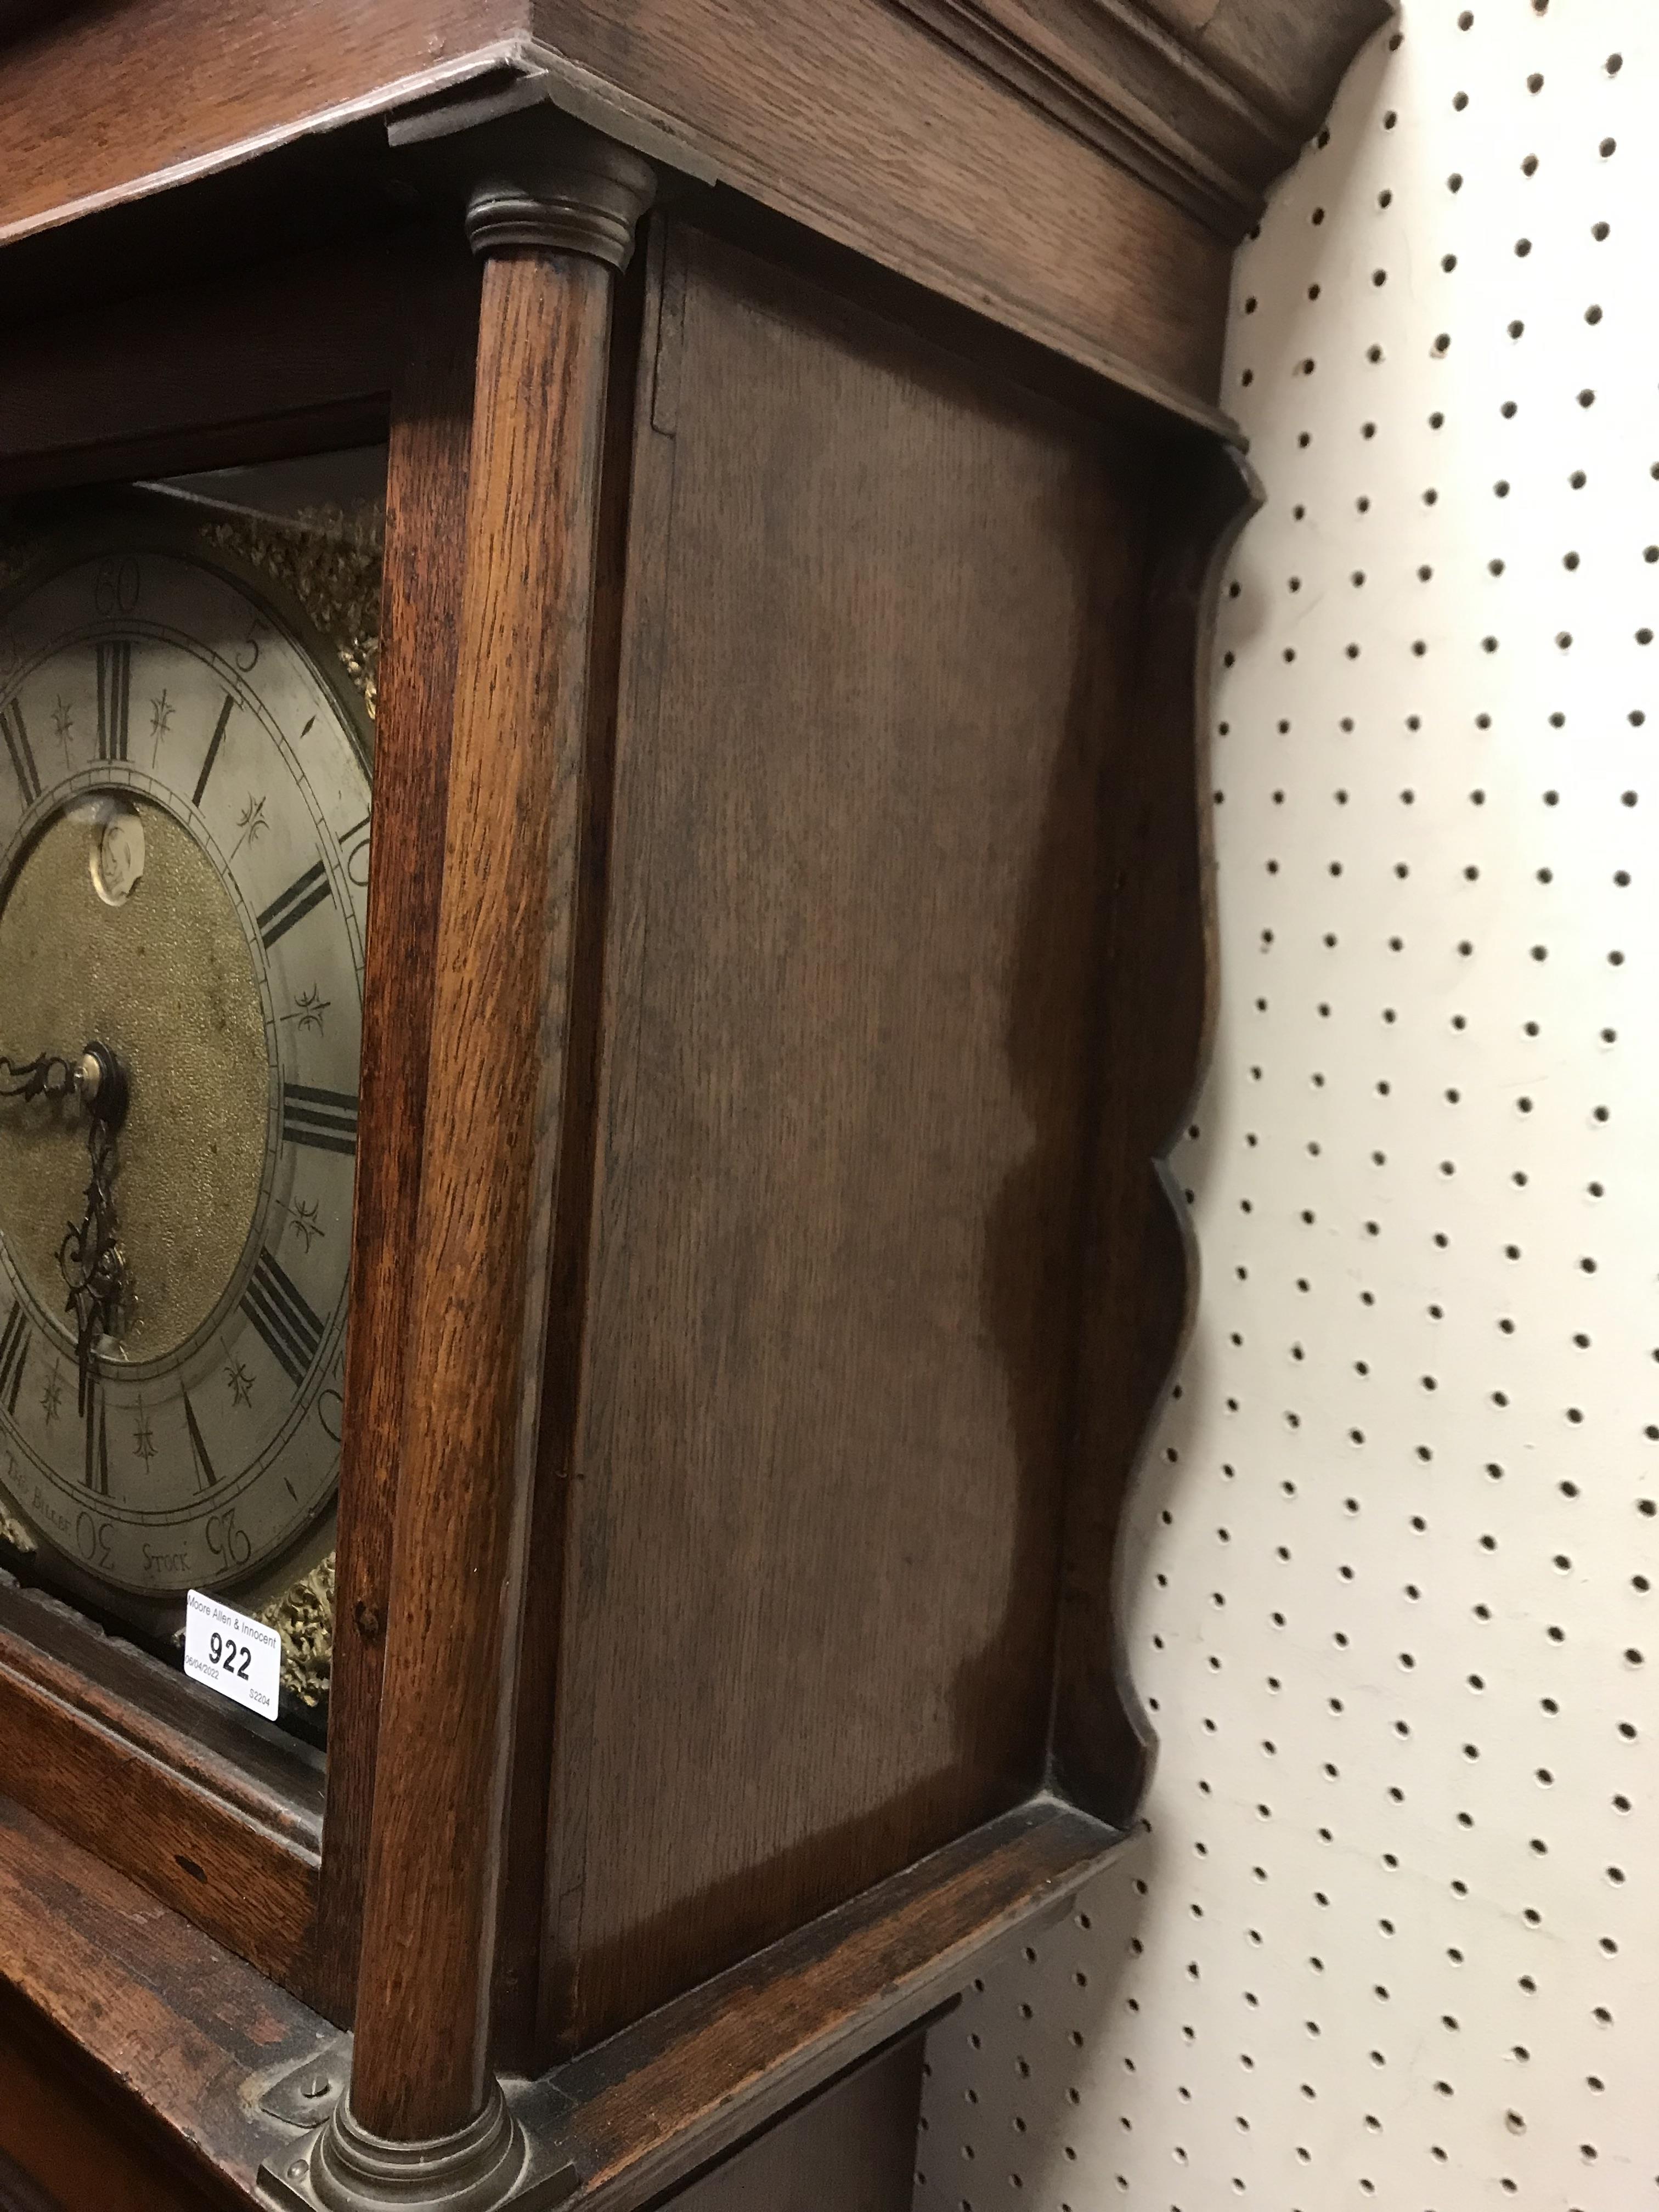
column 183, row 834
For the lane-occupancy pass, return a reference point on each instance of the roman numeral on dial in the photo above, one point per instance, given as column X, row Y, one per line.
column 324, row 1119
column 305, row 892
column 214, row 744
column 97, row 1476
column 14, row 1350
column 114, row 688
column 205, row 1477
column 291, row 1331
column 17, row 744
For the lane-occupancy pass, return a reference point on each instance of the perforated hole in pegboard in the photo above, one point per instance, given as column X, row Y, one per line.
column 1392, row 1940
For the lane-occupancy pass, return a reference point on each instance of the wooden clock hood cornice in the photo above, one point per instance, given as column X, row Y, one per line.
column 1133, row 139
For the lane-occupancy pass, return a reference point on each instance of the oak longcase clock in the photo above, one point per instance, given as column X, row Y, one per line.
column 602, row 937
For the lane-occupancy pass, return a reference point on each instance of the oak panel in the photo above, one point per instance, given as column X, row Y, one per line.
column 852, row 2148
column 825, row 1406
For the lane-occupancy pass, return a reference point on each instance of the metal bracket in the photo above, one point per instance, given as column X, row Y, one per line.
column 307, row 2093
column 521, row 2164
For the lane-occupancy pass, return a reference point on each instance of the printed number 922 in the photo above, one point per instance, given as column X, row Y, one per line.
column 225, row 1651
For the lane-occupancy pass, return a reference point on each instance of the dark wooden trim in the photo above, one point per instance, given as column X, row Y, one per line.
column 1126, row 84
column 166, row 2025
column 427, row 470
column 99, row 106
column 1197, row 117
column 666, row 2096
column 1157, row 987
column 1052, row 240
column 1140, row 405
column 181, row 2036
column 248, row 366
column 124, row 1778
column 272, row 1778
column 1130, row 156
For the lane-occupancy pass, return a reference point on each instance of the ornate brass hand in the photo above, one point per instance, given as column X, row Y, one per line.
column 51, row 1076
column 90, row 1258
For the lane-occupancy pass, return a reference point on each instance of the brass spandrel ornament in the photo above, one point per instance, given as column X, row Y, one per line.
column 329, row 559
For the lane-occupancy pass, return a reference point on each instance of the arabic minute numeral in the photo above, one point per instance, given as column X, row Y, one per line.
column 116, row 592
column 226, row 1540
column 354, row 851
column 92, row 1539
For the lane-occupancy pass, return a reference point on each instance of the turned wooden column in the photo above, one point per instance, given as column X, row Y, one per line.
column 553, row 224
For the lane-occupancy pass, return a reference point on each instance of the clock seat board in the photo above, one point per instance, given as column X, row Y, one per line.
column 784, row 965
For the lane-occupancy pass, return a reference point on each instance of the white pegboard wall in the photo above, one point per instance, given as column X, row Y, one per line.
column 1396, row 1938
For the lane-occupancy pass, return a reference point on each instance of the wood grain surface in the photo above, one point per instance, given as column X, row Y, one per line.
column 684, row 2085
column 169, row 2041
column 525, row 1867
column 60, row 2131
column 849, row 1009
column 271, row 1777
column 124, row 1758
column 427, row 468
column 99, row 103
column 861, row 124
column 1077, row 172
column 500, row 1001
column 169, row 2026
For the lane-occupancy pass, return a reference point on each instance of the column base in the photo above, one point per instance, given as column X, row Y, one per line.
column 486, row 2167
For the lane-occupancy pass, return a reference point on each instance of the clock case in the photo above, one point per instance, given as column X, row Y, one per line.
column 808, row 625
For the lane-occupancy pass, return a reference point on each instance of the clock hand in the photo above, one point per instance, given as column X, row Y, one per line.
column 51, row 1076
column 93, row 1265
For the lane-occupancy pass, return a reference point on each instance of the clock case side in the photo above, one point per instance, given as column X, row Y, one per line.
column 232, row 1825
column 1172, row 498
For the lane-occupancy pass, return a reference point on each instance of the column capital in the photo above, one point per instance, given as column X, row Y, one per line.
column 550, row 185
